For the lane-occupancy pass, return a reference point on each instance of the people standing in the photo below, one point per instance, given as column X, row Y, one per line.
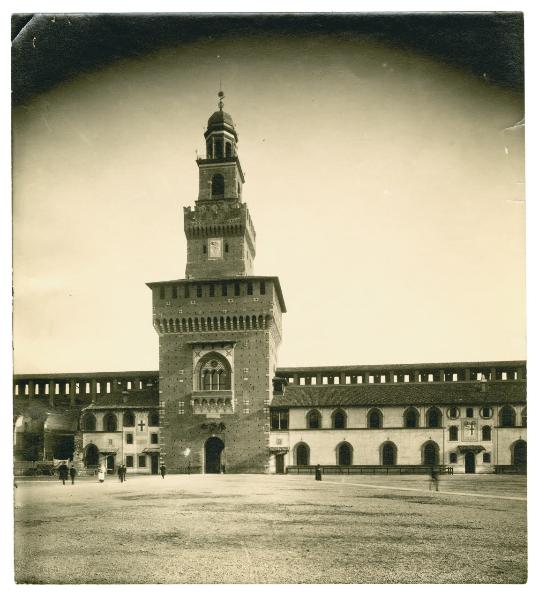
column 121, row 473
column 62, row 473
column 163, row 470
column 318, row 473
column 101, row 474
column 72, row 474
column 434, row 478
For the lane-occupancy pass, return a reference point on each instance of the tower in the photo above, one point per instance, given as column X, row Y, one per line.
column 219, row 328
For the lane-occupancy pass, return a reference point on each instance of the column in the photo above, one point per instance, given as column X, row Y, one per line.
column 93, row 388
column 71, row 392
column 51, row 393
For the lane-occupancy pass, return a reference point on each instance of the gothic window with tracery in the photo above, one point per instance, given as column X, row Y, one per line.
column 214, row 375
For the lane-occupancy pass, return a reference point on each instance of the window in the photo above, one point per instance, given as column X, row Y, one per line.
column 162, row 292
column 226, row 247
column 279, row 419
column 250, row 288
column 199, row 291
column 486, row 412
column 262, row 288
column 186, row 291
column 153, row 419
column 452, row 457
column 469, row 413
column 110, row 423
column 339, row 420
column 434, row 417
column 88, row 422
column 217, row 185
column 142, row 460
column 453, row 412
column 228, row 147
column 453, row 433
column 375, row 419
column 214, row 373
column 430, row 454
column 128, row 438
column 154, row 438
column 507, row 417
column 129, row 460
column 524, row 417
column 175, row 292
column 486, row 457
column 129, row 419
column 486, row 433
column 520, row 453
column 411, row 418
column 218, row 148
column 224, row 290
column 212, row 290
column 236, row 289
column 313, row 419
column 204, row 249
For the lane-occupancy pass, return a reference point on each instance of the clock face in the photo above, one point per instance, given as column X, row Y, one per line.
column 215, row 246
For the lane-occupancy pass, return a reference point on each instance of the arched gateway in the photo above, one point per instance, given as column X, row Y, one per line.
column 212, row 455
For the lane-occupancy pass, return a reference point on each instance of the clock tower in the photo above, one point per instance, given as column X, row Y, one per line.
column 219, row 328
column 220, row 233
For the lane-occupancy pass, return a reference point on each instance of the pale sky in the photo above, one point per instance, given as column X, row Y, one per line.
column 386, row 189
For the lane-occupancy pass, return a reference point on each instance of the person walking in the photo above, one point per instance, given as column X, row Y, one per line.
column 101, row 474
column 318, row 473
column 121, row 473
column 72, row 474
column 62, row 473
column 163, row 470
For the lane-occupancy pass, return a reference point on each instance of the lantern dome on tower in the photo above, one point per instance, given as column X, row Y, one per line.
column 221, row 120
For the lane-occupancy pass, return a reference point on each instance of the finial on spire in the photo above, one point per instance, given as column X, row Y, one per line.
column 221, row 95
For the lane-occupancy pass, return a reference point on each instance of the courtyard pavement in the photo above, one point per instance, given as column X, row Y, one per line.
column 271, row 529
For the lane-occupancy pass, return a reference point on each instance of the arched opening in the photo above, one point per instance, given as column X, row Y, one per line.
column 375, row 419
column 153, row 419
column 302, row 455
column 524, row 417
column 411, row 418
column 507, row 417
column 208, row 149
column 389, row 454
column 129, row 419
column 344, row 454
column 314, row 419
column 218, row 148
column 213, row 449
column 91, row 456
column 338, row 419
column 110, row 423
column 486, row 433
column 88, row 422
column 520, row 453
column 434, row 417
column 217, row 186
column 431, row 454
column 214, row 372
column 228, row 147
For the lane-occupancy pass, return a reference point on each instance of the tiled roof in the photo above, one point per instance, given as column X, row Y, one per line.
column 404, row 394
column 146, row 398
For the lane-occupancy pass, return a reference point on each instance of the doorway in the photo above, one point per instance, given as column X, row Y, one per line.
column 110, row 464
column 212, row 455
column 279, row 464
column 469, row 462
column 154, row 458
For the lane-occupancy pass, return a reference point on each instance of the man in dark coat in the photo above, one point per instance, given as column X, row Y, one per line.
column 318, row 473
column 121, row 473
column 163, row 470
column 62, row 473
column 72, row 474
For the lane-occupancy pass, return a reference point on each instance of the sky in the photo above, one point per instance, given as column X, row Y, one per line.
column 386, row 187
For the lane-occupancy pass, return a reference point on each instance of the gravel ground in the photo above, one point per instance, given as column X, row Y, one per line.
column 271, row 529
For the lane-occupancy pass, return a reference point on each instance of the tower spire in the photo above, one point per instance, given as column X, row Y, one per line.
column 221, row 95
